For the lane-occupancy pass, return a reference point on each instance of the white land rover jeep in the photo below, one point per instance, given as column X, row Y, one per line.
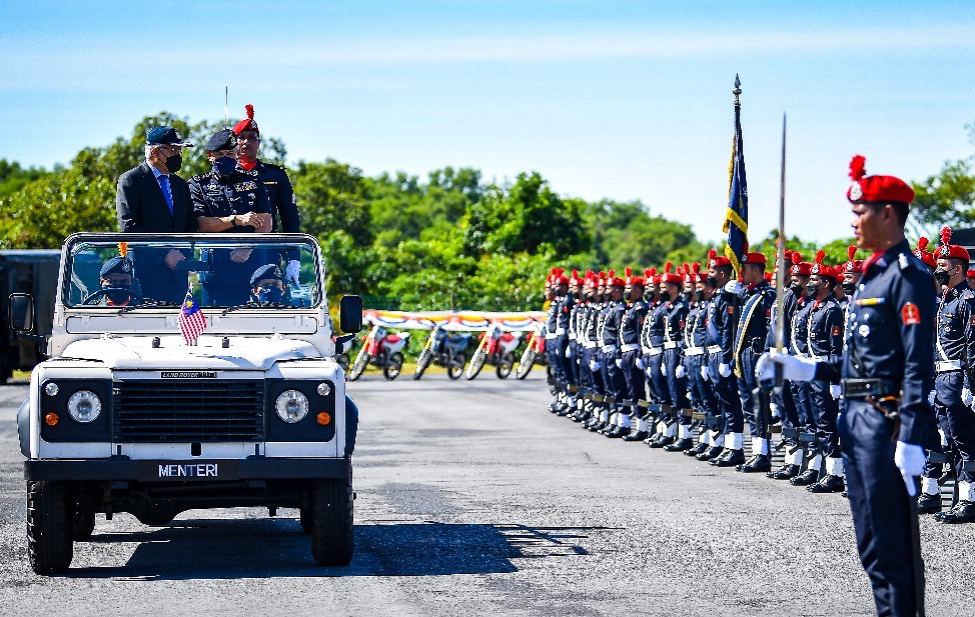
column 126, row 416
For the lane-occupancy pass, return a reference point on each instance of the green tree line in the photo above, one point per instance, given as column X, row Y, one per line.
column 448, row 240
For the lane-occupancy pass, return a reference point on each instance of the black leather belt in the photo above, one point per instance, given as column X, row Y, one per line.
column 876, row 388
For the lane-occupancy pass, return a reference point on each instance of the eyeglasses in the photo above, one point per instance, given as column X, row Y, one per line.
column 170, row 150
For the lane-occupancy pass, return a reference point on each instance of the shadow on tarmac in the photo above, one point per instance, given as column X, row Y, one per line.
column 266, row 548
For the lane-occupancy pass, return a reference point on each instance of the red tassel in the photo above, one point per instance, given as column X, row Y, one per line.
column 922, row 243
column 697, row 267
column 858, row 167
column 712, row 254
column 945, row 235
column 820, row 255
column 250, row 111
column 851, row 251
column 629, row 272
column 668, row 266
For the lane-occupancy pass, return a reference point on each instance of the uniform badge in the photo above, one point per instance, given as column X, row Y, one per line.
column 864, row 330
column 836, row 331
column 910, row 315
column 126, row 265
column 856, row 191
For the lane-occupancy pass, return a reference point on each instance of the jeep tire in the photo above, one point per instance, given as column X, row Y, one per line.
column 332, row 534
column 49, row 527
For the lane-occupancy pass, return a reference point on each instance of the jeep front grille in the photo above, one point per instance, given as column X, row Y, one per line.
column 188, row 410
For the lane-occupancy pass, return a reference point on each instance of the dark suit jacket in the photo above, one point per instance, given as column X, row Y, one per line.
column 141, row 208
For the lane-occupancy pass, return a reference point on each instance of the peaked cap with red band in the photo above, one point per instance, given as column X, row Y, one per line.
column 247, row 124
column 822, row 269
column 950, row 251
column 853, row 265
column 716, row 261
column 866, row 188
column 922, row 253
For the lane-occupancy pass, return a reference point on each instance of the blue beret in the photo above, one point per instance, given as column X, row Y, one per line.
column 116, row 265
column 270, row 271
column 165, row 136
column 222, row 140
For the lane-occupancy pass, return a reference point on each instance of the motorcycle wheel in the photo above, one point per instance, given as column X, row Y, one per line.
column 393, row 366
column 503, row 369
column 456, row 367
column 422, row 363
column 476, row 364
column 526, row 363
column 359, row 366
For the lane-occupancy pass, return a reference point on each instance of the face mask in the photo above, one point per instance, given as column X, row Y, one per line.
column 173, row 163
column 942, row 276
column 812, row 289
column 225, row 165
column 848, row 288
column 713, row 282
column 270, row 295
column 689, row 296
column 117, row 294
column 795, row 287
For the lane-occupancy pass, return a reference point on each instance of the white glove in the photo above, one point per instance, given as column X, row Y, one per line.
column 293, row 270
column 733, row 287
column 639, row 363
column 704, row 374
column 680, row 372
column 793, row 368
column 966, row 397
column 910, row 460
column 594, row 366
column 931, row 398
column 568, row 352
column 724, row 370
column 619, row 362
column 663, row 369
column 835, row 390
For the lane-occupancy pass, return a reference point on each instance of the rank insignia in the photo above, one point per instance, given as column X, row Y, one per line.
column 836, row 331
column 910, row 315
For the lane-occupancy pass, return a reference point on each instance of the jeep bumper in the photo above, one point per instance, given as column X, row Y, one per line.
column 123, row 468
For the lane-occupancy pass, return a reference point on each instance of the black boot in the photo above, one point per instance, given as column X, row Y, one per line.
column 636, row 436
column 680, row 445
column 711, row 453
column 697, row 449
column 926, row 504
column 810, row 476
column 828, row 484
column 756, row 464
column 730, row 458
column 785, row 472
column 963, row 512
column 661, row 441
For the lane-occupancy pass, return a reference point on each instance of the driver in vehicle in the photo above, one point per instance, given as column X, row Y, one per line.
column 117, row 283
column 268, row 286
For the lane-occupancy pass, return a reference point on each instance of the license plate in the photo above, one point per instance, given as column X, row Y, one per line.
column 183, row 471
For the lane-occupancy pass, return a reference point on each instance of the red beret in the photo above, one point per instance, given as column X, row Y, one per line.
column 853, row 265
column 716, row 261
column 803, row 268
column 950, row 251
column 670, row 277
column 822, row 269
column 247, row 124
column 866, row 188
column 754, row 258
column 633, row 280
column 971, row 274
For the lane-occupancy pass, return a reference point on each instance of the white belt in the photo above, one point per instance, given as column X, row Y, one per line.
column 559, row 331
column 589, row 344
column 655, row 351
column 572, row 336
column 693, row 351
column 609, row 348
column 714, row 349
column 670, row 345
column 549, row 336
column 945, row 366
column 630, row 347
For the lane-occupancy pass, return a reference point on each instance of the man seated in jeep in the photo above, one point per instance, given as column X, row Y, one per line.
column 118, row 286
column 268, row 286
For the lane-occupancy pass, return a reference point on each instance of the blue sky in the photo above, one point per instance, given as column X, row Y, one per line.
column 625, row 100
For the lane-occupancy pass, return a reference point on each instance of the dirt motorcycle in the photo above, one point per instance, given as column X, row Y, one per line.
column 382, row 350
column 497, row 348
column 443, row 349
column 534, row 353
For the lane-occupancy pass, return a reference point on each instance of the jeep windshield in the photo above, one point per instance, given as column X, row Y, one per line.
column 132, row 271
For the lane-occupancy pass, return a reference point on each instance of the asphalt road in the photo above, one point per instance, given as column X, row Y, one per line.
column 474, row 500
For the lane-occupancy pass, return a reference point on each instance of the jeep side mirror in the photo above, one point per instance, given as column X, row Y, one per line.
column 20, row 309
column 350, row 314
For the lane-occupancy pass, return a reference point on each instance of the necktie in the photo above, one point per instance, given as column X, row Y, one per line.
column 167, row 193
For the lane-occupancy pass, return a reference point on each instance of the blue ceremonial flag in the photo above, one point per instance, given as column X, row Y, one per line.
column 736, row 217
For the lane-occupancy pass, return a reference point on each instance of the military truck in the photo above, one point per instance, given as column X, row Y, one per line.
column 129, row 415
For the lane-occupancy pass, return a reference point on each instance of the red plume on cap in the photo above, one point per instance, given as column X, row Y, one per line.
column 612, row 273
column 629, row 272
column 696, row 267
column 820, row 256
column 250, row 111
column 602, row 274
column 945, row 235
column 796, row 257
column 247, row 124
column 668, row 266
column 858, row 167
column 922, row 243
column 712, row 254
column 851, row 251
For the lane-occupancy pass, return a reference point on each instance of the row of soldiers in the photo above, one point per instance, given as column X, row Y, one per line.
column 669, row 358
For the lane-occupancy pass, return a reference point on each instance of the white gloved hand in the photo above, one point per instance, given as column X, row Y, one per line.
column 680, row 372
column 733, row 287
column 704, row 374
column 910, row 460
column 568, row 352
column 619, row 362
column 793, row 368
column 293, row 270
column 931, row 395
column 594, row 366
column 724, row 370
column 836, row 390
column 966, row 397
column 663, row 369
column 639, row 363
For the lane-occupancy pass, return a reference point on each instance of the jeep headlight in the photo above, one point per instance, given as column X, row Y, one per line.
column 291, row 406
column 84, row 406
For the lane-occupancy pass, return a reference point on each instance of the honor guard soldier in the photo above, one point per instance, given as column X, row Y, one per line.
column 600, row 416
column 572, row 351
column 678, row 420
column 585, row 343
column 695, row 357
column 562, row 304
column 551, row 288
column 619, row 423
column 886, row 375
column 723, row 319
column 656, row 326
column 751, row 342
column 824, row 330
column 954, row 373
column 229, row 199
column 851, row 275
column 631, row 326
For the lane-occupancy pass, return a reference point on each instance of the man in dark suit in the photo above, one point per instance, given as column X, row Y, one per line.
column 151, row 198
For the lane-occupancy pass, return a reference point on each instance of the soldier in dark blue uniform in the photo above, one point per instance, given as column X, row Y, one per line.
column 697, row 359
column 954, row 373
column 551, row 287
column 677, row 418
column 651, row 296
column 229, row 199
column 585, row 343
column 752, row 338
column 722, row 322
column 593, row 354
column 619, row 422
column 886, row 374
column 631, row 327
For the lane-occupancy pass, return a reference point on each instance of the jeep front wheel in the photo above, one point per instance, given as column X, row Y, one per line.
column 49, row 528
column 332, row 537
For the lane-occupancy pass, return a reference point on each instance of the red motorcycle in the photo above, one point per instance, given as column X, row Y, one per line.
column 534, row 354
column 496, row 347
column 383, row 350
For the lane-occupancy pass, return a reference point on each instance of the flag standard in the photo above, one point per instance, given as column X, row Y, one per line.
column 736, row 217
column 192, row 322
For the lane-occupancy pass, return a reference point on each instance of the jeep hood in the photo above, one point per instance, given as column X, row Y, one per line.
column 244, row 353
